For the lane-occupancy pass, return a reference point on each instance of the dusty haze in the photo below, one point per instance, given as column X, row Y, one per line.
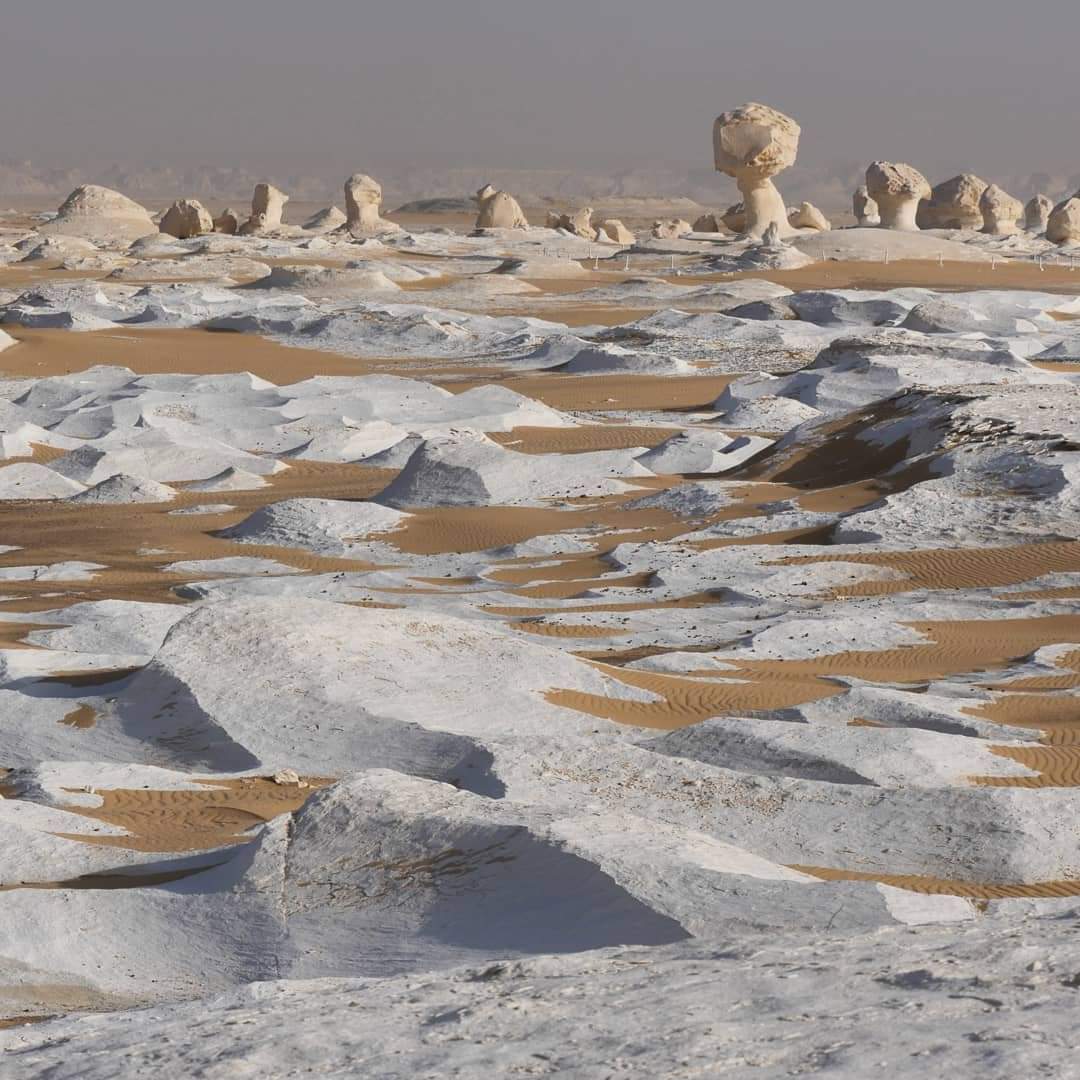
column 419, row 90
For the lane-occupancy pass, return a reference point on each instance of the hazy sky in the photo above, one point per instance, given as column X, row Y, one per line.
column 993, row 87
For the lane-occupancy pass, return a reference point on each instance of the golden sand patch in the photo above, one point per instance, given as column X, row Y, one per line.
column 576, row 440
column 944, row 887
column 215, row 815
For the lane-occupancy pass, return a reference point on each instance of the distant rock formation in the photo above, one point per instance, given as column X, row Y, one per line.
column 808, row 216
column 1000, row 212
column 1063, row 225
column 579, row 223
column 363, row 199
column 228, row 221
column 498, row 210
column 708, row 223
column 186, row 218
column 615, row 231
column 267, row 210
column 1037, row 214
column 101, row 215
column 864, row 208
column 753, row 143
column 953, row 204
column 734, row 217
column 325, row 220
column 897, row 189
column 671, row 228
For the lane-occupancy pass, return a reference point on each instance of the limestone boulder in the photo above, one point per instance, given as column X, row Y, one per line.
column 1037, row 214
column 614, row 230
column 579, row 223
column 363, row 200
column 671, row 228
column 897, row 190
column 267, row 210
column 808, row 216
column 325, row 220
column 953, row 204
column 708, row 223
column 186, row 218
column 864, row 208
column 1063, row 225
column 498, row 210
column 734, row 217
column 228, row 221
column 752, row 144
column 1001, row 213
column 101, row 215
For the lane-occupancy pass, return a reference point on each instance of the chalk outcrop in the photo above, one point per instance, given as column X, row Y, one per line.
column 228, row 221
column 326, row 220
column 579, row 223
column 1037, row 214
column 864, row 208
column 953, row 204
column 102, row 215
column 614, row 230
column 734, row 217
column 363, row 198
column 1001, row 213
column 267, row 210
column 498, row 210
column 186, row 218
column 1063, row 225
column 671, row 228
column 708, row 223
column 808, row 216
column 897, row 189
column 752, row 144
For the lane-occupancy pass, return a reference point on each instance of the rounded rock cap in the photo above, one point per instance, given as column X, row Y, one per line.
column 754, row 138
column 888, row 178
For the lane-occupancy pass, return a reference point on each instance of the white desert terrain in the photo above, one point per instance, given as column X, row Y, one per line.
column 482, row 648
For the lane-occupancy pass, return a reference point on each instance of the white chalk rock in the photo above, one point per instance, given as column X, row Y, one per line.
column 808, row 216
column 953, row 204
column 1063, row 225
column 186, row 218
column 1000, row 212
column 325, row 220
column 708, row 223
column 267, row 210
column 363, row 199
column 228, row 221
column 1037, row 214
column 498, row 210
column 897, row 190
column 671, row 228
column 753, row 143
column 102, row 215
column 614, row 230
column 864, row 208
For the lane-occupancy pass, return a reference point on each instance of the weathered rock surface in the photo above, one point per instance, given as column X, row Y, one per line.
column 897, row 190
column 186, row 218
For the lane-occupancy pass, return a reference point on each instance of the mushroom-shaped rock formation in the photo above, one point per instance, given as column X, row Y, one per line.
column 325, row 220
column 228, row 221
column 897, row 190
column 1037, row 214
column 579, row 223
column 363, row 197
column 186, row 218
column 734, row 217
column 498, row 210
column 808, row 216
column 708, row 223
column 267, row 209
column 614, row 230
column 953, row 204
column 1063, row 226
column 671, row 228
column 753, row 143
column 864, row 208
column 101, row 215
column 1000, row 211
